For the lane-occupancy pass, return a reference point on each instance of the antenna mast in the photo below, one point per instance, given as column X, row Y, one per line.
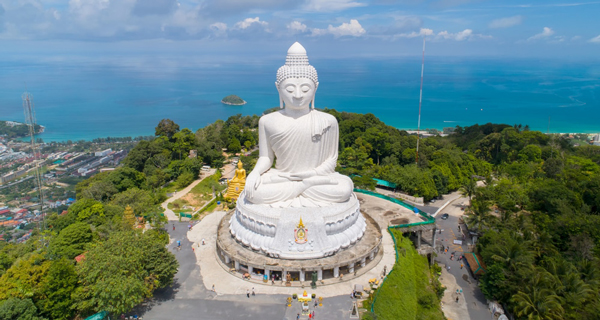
column 30, row 121
column 420, row 102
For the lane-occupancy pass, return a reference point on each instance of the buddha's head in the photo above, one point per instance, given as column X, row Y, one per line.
column 240, row 165
column 297, row 81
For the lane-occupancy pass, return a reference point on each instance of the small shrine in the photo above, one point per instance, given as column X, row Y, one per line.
column 236, row 185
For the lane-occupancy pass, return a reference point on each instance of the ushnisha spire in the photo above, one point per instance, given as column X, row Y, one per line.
column 296, row 65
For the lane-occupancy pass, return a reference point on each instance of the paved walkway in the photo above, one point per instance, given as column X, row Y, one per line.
column 229, row 283
column 168, row 212
column 188, row 297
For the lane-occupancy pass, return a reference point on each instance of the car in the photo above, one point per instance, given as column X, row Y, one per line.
column 444, row 216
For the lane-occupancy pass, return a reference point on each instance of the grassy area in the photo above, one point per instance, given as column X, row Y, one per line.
column 409, row 292
column 171, row 187
column 177, row 206
column 204, row 189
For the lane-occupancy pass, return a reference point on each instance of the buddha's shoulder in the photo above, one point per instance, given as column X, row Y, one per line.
column 326, row 116
column 270, row 118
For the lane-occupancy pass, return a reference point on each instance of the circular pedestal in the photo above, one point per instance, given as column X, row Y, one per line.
column 298, row 233
column 357, row 258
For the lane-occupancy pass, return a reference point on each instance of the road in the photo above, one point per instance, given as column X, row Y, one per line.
column 476, row 302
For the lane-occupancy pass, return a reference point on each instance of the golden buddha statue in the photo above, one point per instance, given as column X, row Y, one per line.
column 236, row 185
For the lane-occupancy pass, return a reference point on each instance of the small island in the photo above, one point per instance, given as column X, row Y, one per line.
column 233, row 100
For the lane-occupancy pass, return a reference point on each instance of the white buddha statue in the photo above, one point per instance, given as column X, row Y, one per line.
column 303, row 141
column 301, row 208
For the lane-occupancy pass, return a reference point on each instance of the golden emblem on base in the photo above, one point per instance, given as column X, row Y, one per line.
column 300, row 233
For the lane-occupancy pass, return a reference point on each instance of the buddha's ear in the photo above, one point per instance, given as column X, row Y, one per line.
column 280, row 99
column 314, row 95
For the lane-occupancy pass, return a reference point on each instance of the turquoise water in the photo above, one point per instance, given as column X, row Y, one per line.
column 89, row 100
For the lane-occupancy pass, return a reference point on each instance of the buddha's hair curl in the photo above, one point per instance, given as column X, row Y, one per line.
column 306, row 71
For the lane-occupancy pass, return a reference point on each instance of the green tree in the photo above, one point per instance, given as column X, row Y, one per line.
column 234, row 146
column 166, row 128
column 142, row 201
column 121, row 272
column 71, row 241
column 468, row 188
column 59, row 285
column 25, row 278
column 18, row 309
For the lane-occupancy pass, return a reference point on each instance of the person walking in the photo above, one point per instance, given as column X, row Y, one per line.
column 247, row 293
column 298, row 316
column 213, row 288
column 461, row 265
column 313, row 314
column 173, row 226
column 448, row 267
column 456, row 299
column 253, row 293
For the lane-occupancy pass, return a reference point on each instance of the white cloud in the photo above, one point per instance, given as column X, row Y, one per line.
column 297, row 27
column 547, row 32
column 244, row 24
column 466, row 34
column 353, row 29
column 422, row 33
column 331, row 5
column 595, row 39
column 506, row 22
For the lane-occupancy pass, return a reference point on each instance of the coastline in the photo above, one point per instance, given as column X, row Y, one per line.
column 234, row 104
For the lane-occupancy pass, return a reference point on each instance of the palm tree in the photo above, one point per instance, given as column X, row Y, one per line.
column 515, row 254
column 468, row 189
column 536, row 301
column 478, row 216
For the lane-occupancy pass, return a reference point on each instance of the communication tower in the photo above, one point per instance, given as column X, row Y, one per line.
column 420, row 101
column 30, row 121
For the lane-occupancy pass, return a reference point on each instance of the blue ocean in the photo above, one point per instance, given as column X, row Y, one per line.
column 77, row 100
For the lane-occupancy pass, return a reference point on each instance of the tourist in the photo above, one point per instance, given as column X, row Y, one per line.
column 247, row 293
column 203, row 243
column 461, row 265
column 297, row 316
column 253, row 293
column 456, row 299
column 310, row 315
column 213, row 288
column 313, row 314
column 448, row 267
column 173, row 226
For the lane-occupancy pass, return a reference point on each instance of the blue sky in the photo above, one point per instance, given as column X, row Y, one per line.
column 236, row 29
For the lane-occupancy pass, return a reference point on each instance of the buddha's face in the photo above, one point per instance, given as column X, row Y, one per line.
column 297, row 93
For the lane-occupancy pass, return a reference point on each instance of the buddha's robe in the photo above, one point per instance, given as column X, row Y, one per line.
column 309, row 142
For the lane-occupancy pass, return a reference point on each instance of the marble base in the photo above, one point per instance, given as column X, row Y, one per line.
column 271, row 231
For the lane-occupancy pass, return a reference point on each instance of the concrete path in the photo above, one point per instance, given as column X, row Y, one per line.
column 231, row 283
column 453, row 309
column 168, row 212
column 188, row 297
